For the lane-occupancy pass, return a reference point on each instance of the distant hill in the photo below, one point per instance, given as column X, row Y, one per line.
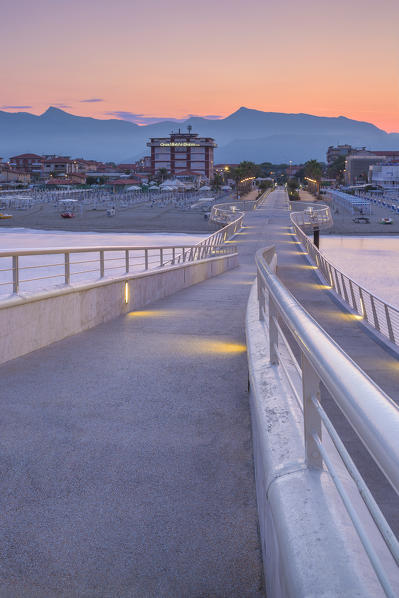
column 244, row 135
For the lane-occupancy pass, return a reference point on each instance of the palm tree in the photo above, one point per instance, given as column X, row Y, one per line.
column 162, row 174
column 217, row 181
column 313, row 169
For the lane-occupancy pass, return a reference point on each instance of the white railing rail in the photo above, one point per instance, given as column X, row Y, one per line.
column 380, row 314
column 116, row 260
column 78, row 264
column 371, row 413
column 104, row 261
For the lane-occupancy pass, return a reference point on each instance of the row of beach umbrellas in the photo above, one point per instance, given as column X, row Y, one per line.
column 171, row 185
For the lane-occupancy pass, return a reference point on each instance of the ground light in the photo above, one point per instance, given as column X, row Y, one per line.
column 126, row 292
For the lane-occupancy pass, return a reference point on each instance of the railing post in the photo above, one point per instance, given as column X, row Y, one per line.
column 127, row 261
column 273, row 332
column 67, row 279
column 362, row 305
column 146, row 259
column 15, row 275
column 102, row 268
column 344, row 288
column 389, row 324
column 161, row 257
column 353, row 295
column 311, row 418
column 376, row 322
column 173, row 255
column 261, row 297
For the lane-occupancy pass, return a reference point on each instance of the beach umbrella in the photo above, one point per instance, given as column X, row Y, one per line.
column 133, row 188
column 226, row 187
column 205, row 188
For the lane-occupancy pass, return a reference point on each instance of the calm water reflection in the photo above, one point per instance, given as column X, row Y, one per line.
column 371, row 261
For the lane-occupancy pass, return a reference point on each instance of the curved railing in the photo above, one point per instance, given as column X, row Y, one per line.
column 380, row 314
column 318, row 216
column 370, row 412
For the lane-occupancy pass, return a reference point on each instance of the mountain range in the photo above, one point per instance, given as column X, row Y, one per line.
column 244, row 135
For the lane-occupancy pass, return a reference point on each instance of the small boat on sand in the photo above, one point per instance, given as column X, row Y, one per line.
column 386, row 221
column 5, row 216
column 67, row 215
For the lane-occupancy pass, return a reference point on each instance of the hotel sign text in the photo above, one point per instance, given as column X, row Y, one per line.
column 173, row 144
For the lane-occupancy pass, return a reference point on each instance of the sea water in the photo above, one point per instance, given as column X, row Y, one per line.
column 371, row 261
column 84, row 266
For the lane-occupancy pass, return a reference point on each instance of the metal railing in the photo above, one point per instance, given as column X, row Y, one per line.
column 372, row 414
column 380, row 314
column 311, row 217
column 22, row 270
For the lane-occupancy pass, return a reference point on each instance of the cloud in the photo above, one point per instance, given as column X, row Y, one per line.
column 62, row 105
column 91, row 100
column 16, row 107
column 208, row 116
column 142, row 119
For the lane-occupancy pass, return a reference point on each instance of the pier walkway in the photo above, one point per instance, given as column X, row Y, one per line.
column 126, row 450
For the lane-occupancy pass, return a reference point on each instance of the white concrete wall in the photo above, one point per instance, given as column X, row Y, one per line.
column 31, row 322
column 310, row 547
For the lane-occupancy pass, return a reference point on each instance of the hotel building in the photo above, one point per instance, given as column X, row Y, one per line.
column 183, row 154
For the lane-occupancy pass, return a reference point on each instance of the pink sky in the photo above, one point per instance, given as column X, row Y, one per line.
column 181, row 57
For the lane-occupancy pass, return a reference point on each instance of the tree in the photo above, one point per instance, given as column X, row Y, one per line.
column 217, row 181
column 162, row 174
column 292, row 188
column 313, row 169
column 336, row 169
column 245, row 170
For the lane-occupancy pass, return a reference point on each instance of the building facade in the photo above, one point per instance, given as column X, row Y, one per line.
column 182, row 152
column 335, row 152
column 385, row 175
column 357, row 164
column 31, row 163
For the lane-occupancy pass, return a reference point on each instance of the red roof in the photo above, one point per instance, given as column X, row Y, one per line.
column 125, row 182
column 26, row 156
column 58, row 161
column 188, row 173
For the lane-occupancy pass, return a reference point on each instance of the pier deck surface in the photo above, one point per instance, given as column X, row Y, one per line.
column 126, row 453
column 126, row 450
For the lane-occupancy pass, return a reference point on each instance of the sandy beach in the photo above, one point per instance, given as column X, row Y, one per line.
column 343, row 219
column 135, row 219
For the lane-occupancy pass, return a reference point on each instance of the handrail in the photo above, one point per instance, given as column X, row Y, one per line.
column 377, row 312
column 372, row 414
column 152, row 256
column 122, row 260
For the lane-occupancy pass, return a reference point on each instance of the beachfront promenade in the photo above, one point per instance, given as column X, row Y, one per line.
column 126, row 449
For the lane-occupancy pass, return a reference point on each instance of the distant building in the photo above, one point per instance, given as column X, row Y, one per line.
column 224, row 167
column 385, row 175
column 72, row 179
column 182, row 151
column 292, row 169
column 15, row 176
column 336, row 152
column 357, row 164
column 59, row 165
column 31, row 163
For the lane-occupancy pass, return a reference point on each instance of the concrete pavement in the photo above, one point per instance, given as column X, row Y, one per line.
column 126, row 450
column 126, row 453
